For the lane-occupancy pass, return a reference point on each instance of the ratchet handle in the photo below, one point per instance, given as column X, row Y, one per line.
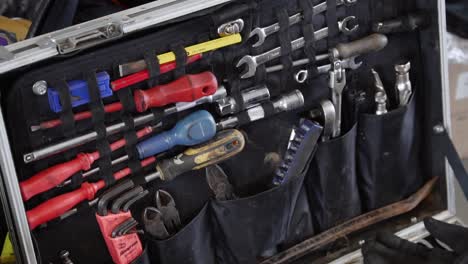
column 223, row 146
column 59, row 205
column 185, row 89
column 371, row 43
column 53, row 176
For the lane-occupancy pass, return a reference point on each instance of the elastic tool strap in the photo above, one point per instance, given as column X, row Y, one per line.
column 68, row 124
column 286, row 48
column 309, row 36
column 445, row 144
column 98, row 117
column 129, row 134
column 332, row 23
column 181, row 60
column 152, row 65
column 66, row 115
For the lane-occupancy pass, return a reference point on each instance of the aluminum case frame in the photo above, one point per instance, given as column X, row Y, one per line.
column 114, row 26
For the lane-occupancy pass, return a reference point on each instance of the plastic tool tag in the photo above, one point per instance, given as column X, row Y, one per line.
column 79, row 92
column 123, row 249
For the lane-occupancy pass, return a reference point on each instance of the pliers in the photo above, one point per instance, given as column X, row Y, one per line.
column 219, row 183
column 166, row 205
column 163, row 220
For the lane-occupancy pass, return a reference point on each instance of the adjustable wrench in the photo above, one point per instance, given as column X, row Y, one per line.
column 254, row 61
column 263, row 33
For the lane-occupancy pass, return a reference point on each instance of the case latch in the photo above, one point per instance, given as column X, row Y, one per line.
column 89, row 38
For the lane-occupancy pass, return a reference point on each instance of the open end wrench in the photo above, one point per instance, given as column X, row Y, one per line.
column 350, row 63
column 263, row 33
column 253, row 62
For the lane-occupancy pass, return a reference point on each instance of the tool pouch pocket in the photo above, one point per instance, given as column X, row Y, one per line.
column 388, row 161
column 252, row 227
column 191, row 245
column 332, row 182
column 143, row 258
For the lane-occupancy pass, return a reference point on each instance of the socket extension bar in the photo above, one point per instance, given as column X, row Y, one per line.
column 97, row 31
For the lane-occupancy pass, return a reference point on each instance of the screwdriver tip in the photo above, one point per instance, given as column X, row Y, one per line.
column 35, row 128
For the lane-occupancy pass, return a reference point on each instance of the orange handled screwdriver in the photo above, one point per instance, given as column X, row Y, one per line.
column 53, row 176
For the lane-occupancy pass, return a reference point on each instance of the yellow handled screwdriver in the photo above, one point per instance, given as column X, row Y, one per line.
column 136, row 66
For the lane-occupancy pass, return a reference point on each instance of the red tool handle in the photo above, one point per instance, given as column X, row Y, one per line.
column 144, row 74
column 53, row 176
column 185, row 89
column 110, row 108
column 59, row 205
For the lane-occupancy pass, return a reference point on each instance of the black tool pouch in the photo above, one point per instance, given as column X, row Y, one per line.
column 252, row 227
column 332, row 182
column 192, row 244
column 388, row 158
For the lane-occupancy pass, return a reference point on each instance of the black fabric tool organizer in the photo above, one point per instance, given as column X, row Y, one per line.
column 344, row 178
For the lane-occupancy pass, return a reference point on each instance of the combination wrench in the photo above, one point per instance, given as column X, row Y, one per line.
column 264, row 32
column 254, row 61
column 350, row 63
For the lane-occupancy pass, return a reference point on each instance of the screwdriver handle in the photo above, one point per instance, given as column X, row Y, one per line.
column 195, row 128
column 371, row 43
column 144, row 74
column 223, row 146
column 185, row 89
column 53, row 176
column 59, row 205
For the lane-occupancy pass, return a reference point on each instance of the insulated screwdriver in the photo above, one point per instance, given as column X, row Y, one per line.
column 53, row 176
column 144, row 74
column 59, row 205
column 223, row 146
column 185, row 89
column 110, row 130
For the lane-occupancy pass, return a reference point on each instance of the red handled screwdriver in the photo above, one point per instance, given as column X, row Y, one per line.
column 59, row 205
column 144, row 74
column 188, row 88
column 224, row 145
column 53, row 176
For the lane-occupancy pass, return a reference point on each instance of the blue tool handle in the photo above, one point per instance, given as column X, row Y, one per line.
column 194, row 129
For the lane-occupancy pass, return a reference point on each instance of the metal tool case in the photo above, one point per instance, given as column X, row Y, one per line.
column 136, row 28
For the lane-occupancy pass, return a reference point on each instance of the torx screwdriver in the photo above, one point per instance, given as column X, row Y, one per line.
column 188, row 88
column 223, row 146
column 53, row 176
column 110, row 130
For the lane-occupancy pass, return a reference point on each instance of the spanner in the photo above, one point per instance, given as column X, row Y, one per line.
column 254, row 61
column 350, row 63
column 263, row 33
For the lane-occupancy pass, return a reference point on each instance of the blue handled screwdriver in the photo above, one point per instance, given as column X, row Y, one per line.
column 194, row 129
